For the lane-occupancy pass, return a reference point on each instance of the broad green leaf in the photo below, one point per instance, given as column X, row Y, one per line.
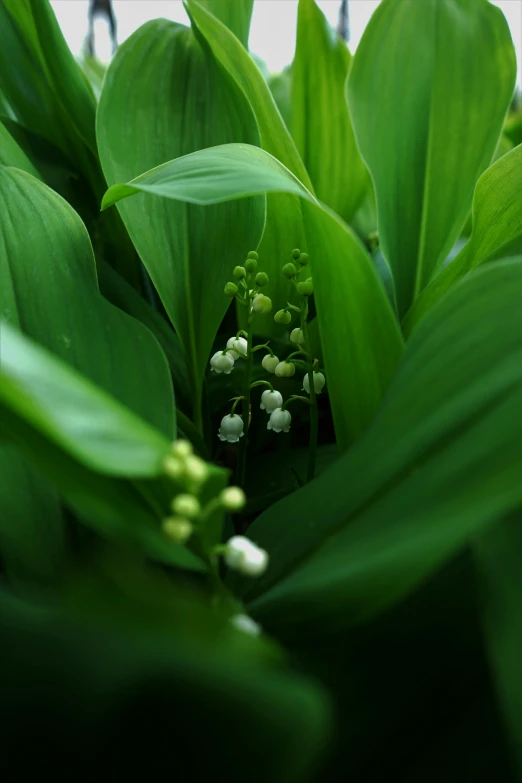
column 236, row 15
column 320, row 122
column 51, row 97
column 74, row 413
column 428, row 93
column 498, row 556
column 349, row 297
column 84, row 443
column 496, row 226
column 43, row 83
column 164, row 96
column 125, row 685
column 32, row 536
column 13, row 155
column 122, row 295
column 285, row 227
column 57, row 302
column 438, row 464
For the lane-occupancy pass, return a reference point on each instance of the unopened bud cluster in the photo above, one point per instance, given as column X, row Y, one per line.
column 190, row 473
column 246, row 285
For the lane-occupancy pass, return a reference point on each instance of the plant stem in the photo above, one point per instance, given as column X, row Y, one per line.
column 241, row 463
column 314, row 425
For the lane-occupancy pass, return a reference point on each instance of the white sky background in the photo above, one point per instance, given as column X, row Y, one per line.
column 272, row 33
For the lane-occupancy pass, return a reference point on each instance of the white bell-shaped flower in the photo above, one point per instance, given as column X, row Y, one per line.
column 242, row 622
column 222, row 362
column 231, row 428
column 285, row 370
column 297, row 336
column 239, row 347
column 270, row 400
column 319, row 381
column 279, row 421
column 244, row 556
column 269, row 363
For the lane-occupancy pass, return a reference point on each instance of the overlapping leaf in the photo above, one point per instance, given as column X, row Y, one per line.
column 438, row 464
column 496, row 229
column 235, row 15
column 85, row 443
column 428, row 93
column 164, row 96
column 320, row 121
column 49, row 288
column 285, row 228
column 350, row 299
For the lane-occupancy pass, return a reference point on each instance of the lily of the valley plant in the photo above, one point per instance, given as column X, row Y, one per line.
column 261, row 399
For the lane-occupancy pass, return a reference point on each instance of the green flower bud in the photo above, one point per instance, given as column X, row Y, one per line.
column 303, row 259
column 306, row 288
column 282, row 317
column 178, row 529
column 231, row 289
column 186, row 505
column 251, row 265
column 261, row 304
column 289, row 270
column 285, row 370
column 296, row 252
column 297, row 336
column 261, row 278
column 239, row 272
column 253, row 254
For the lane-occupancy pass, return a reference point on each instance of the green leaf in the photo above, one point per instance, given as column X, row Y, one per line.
column 32, row 535
column 164, row 95
column 498, row 555
column 349, row 297
column 285, row 227
column 320, row 124
column 496, row 224
column 438, row 464
column 42, row 81
column 75, row 414
column 109, row 673
column 236, row 15
column 57, row 302
column 84, row 442
column 13, row 155
column 428, row 93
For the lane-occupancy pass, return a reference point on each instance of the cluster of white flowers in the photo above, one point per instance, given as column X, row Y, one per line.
column 223, row 361
column 241, row 554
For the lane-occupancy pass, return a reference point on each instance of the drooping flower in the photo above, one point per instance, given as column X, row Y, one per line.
column 279, row 421
column 285, row 370
column 239, row 347
column 269, row 363
column 297, row 336
column 319, row 381
column 244, row 556
column 231, row 428
column 222, row 362
column 270, row 400
column 261, row 304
